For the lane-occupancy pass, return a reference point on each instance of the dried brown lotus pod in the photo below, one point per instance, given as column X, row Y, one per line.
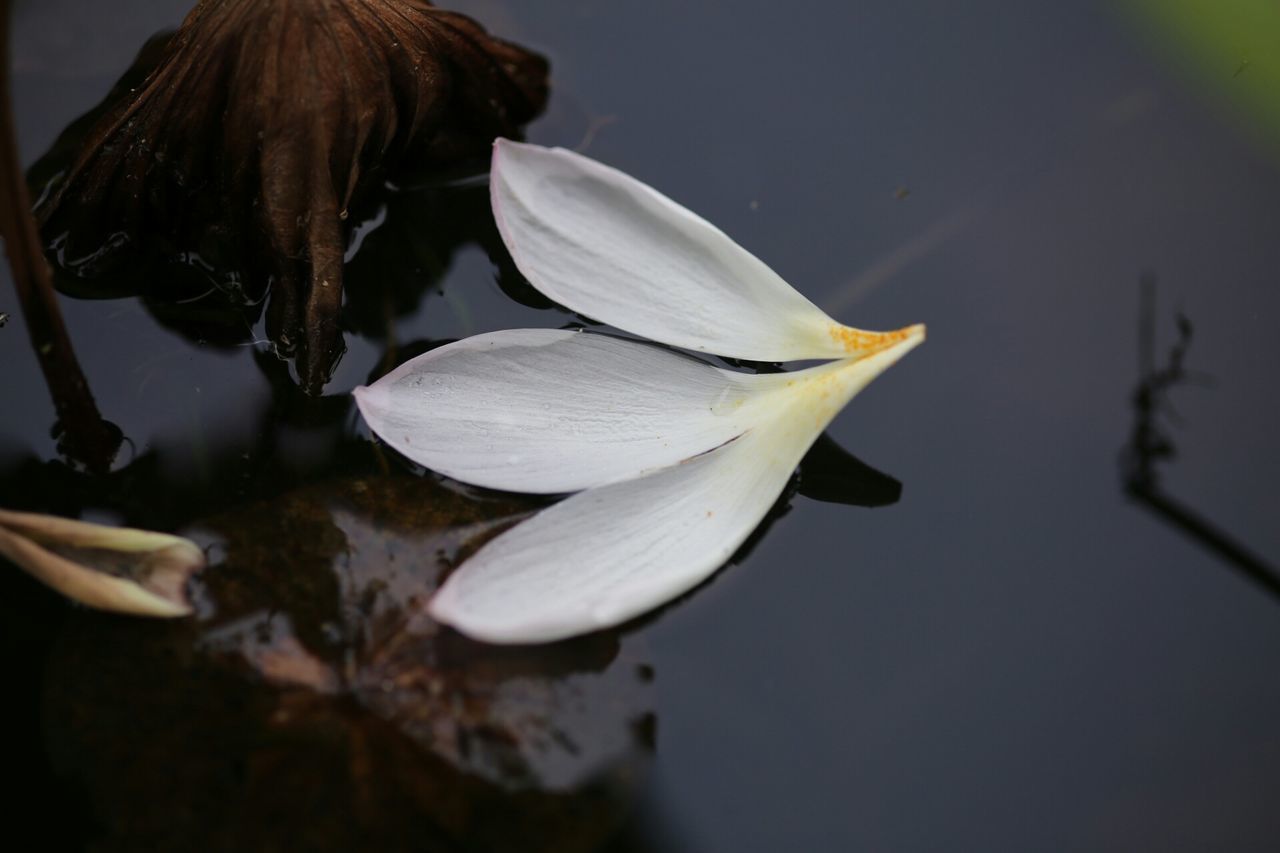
column 261, row 125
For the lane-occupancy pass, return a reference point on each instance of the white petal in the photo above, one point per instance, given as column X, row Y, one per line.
column 608, row 554
column 69, row 555
column 605, row 245
column 605, row 555
column 549, row 411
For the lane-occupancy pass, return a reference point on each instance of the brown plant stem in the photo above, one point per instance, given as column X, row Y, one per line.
column 87, row 438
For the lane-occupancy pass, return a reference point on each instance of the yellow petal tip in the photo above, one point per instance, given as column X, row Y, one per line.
column 859, row 342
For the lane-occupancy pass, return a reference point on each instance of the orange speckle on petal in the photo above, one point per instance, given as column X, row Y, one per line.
column 858, row 341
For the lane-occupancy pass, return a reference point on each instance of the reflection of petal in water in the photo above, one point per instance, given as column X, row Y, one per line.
column 831, row 474
column 269, row 645
column 313, row 705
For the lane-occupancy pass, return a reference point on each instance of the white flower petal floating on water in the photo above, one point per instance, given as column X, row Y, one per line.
column 603, row 244
column 678, row 460
column 608, row 554
column 120, row 569
column 549, row 410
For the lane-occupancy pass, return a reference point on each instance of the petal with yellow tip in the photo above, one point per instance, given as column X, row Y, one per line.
column 607, row 246
column 608, row 554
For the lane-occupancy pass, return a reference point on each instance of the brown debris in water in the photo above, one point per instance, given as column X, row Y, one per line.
column 311, row 705
column 261, row 126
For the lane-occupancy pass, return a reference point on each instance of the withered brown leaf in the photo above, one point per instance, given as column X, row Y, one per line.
column 310, row 704
column 263, row 123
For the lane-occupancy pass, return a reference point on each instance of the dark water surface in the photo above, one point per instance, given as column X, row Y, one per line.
column 1016, row 656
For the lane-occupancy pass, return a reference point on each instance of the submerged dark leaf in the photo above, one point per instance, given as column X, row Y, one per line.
column 260, row 127
column 310, row 705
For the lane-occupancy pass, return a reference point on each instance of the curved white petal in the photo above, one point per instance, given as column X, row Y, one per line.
column 549, row 411
column 608, row 554
column 605, row 245
column 605, row 555
column 70, row 556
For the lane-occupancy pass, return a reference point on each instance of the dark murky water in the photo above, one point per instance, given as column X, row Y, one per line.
column 1015, row 656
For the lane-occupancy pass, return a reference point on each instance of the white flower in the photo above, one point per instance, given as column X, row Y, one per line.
column 674, row 462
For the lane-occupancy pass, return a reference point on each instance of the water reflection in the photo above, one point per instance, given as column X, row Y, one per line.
column 242, row 147
column 393, row 269
column 1150, row 445
column 401, row 253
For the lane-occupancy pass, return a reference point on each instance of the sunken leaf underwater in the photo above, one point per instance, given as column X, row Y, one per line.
column 673, row 462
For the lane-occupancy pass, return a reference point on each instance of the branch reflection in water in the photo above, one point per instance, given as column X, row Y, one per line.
column 1150, row 444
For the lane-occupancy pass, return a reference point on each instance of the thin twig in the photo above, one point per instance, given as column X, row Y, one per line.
column 86, row 437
